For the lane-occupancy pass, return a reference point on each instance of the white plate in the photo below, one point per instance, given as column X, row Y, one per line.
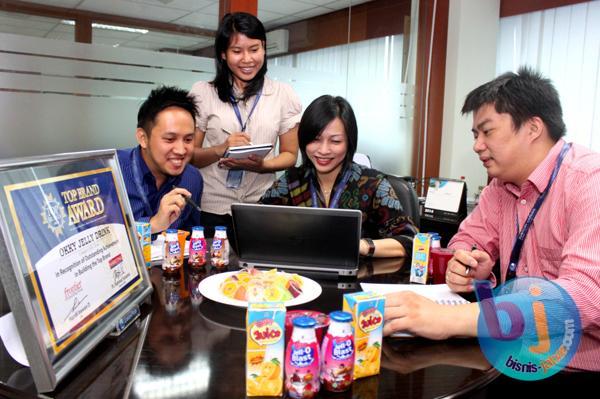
column 209, row 287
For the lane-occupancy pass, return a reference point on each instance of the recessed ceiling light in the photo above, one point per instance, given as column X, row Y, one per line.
column 109, row 27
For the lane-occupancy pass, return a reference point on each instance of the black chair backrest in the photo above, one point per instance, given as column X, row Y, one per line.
column 408, row 198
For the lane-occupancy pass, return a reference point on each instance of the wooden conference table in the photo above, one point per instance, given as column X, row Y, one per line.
column 189, row 346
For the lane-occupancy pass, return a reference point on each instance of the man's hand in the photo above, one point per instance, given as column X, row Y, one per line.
column 171, row 205
column 413, row 313
column 466, row 266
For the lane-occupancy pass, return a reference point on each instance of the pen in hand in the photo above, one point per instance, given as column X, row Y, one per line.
column 191, row 202
column 467, row 268
column 229, row 133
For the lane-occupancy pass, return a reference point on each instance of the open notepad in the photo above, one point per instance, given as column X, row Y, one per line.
column 439, row 293
column 245, row 151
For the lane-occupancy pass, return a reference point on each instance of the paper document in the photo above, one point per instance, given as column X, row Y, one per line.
column 439, row 293
column 246, row 150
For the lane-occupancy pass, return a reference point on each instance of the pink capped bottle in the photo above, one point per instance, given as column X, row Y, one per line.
column 338, row 353
column 219, row 250
column 302, row 360
column 172, row 259
column 197, row 257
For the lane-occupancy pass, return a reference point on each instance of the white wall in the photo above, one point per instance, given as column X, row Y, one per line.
column 470, row 62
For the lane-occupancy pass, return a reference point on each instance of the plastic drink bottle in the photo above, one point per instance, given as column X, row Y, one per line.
column 302, row 360
column 219, row 250
column 338, row 353
column 197, row 256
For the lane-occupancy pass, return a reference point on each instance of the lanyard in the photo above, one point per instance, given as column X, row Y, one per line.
column 137, row 179
column 236, row 109
column 515, row 254
column 337, row 192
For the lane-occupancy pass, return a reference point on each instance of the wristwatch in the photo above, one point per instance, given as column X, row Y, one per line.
column 371, row 245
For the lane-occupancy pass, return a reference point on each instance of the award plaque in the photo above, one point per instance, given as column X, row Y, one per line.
column 70, row 260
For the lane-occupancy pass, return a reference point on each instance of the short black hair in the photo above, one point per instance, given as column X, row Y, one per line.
column 522, row 95
column 318, row 115
column 164, row 97
column 251, row 27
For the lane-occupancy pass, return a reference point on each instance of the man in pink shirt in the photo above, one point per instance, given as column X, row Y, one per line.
column 518, row 130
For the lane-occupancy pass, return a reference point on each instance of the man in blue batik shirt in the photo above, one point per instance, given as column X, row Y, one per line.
column 156, row 172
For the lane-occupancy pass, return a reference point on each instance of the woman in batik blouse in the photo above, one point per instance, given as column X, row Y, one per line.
column 328, row 178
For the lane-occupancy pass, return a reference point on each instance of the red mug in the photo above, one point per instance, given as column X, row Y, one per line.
column 438, row 262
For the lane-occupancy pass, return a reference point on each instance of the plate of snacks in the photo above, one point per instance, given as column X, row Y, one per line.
column 237, row 288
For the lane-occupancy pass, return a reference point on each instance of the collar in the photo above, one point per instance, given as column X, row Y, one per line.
column 540, row 175
column 145, row 171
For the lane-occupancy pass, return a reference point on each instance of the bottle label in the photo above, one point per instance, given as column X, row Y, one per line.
column 217, row 243
column 302, row 356
column 174, row 248
column 342, row 349
column 198, row 245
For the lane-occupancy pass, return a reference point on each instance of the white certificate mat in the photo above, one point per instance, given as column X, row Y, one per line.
column 70, row 281
column 444, row 195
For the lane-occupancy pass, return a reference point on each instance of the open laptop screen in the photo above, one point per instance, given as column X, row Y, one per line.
column 314, row 239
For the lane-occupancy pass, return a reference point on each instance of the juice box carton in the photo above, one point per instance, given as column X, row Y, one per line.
column 367, row 321
column 144, row 236
column 265, row 348
column 420, row 258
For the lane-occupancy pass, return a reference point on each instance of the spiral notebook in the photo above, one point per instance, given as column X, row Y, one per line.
column 439, row 293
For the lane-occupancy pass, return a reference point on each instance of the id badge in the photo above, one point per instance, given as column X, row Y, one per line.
column 234, row 178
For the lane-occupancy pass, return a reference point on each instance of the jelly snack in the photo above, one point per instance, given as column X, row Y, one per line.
column 367, row 314
column 254, row 285
column 265, row 329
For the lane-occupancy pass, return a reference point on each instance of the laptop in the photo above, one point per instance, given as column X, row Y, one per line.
column 315, row 240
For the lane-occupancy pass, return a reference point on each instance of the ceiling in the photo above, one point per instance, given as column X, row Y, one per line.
column 194, row 13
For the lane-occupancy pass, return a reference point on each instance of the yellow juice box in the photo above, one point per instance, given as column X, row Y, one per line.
column 367, row 321
column 419, row 268
column 265, row 346
column 144, row 236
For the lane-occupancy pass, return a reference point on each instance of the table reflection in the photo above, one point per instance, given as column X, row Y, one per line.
column 196, row 347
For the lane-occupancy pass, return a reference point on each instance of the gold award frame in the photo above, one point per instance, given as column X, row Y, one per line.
column 70, row 261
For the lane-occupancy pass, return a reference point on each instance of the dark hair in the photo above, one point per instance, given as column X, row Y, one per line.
column 164, row 97
column 318, row 115
column 250, row 26
column 522, row 95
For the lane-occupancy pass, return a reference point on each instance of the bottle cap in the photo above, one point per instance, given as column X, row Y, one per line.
column 220, row 228
column 171, row 231
column 304, row 322
column 201, row 228
column 340, row 316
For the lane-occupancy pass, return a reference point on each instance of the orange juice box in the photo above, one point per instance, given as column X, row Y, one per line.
column 367, row 322
column 265, row 345
column 420, row 258
column 144, row 236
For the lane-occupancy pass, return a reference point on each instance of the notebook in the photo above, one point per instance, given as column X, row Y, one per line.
column 317, row 240
column 245, row 151
column 439, row 293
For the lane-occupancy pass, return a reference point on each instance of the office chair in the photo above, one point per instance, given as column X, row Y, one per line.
column 408, row 198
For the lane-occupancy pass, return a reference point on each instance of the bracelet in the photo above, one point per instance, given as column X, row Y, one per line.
column 371, row 245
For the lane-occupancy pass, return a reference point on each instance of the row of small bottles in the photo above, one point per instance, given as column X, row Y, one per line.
column 307, row 366
column 173, row 253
